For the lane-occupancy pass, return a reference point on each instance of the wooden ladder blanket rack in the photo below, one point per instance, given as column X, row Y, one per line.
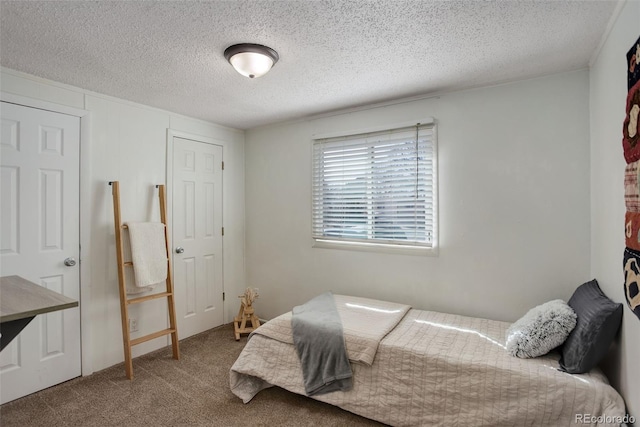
column 124, row 301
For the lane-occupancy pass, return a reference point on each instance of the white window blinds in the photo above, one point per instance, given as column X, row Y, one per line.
column 376, row 188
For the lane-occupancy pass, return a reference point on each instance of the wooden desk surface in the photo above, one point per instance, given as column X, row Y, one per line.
column 20, row 298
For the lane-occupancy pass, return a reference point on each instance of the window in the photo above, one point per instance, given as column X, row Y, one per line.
column 377, row 188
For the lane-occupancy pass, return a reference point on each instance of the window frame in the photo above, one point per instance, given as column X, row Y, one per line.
column 366, row 246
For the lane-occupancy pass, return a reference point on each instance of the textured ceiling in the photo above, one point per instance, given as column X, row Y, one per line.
column 333, row 54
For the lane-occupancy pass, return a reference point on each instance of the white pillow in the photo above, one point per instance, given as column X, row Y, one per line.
column 542, row 329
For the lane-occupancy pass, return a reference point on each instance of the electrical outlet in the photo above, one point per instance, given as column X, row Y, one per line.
column 133, row 325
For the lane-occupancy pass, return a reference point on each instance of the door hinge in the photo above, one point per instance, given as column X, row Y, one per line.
column 222, row 165
column 223, row 231
column 223, row 296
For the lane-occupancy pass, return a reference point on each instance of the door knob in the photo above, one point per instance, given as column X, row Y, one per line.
column 69, row 262
column 179, row 250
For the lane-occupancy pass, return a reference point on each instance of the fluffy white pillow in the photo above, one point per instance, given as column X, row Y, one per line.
column 542, row 329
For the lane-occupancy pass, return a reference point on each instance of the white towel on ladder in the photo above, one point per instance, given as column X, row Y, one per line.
column 148, row 252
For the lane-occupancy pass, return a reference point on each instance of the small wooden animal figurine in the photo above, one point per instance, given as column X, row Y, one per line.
column 246, row 314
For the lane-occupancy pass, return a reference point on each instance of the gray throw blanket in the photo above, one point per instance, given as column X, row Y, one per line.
column 318, row 338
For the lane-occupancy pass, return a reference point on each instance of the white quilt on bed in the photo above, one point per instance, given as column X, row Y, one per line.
column 437, row 369
column 364, row 322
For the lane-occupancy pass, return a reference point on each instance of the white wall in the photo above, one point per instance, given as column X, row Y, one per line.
column 514, row 205
column 127, row 142
column 608, row 93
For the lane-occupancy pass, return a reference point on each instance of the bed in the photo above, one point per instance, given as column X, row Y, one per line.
column 432, row 369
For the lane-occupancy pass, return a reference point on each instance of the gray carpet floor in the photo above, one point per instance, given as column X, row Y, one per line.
column 193, row 391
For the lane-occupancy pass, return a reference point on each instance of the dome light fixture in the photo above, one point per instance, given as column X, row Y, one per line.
column 251, row 60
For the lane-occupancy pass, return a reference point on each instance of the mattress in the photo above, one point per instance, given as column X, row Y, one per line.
column 437, row 369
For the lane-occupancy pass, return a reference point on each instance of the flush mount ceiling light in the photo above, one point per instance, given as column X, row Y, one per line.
column 251, row 60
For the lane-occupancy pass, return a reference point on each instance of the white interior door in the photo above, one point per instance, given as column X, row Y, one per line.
column 39, row 229
column 197, row 235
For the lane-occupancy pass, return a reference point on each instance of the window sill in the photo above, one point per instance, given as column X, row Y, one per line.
column 375, row 247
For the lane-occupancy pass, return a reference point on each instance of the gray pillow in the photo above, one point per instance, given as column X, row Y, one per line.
column 598, row 321
column 542, row 329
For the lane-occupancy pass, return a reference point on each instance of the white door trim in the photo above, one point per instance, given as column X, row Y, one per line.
column 85, row 209
column 171, row 134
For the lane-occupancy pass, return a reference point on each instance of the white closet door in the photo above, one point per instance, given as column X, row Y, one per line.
column 197, row 235
column 39, row 229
